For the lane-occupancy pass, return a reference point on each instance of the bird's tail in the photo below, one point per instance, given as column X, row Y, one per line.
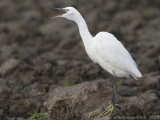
column 136, row 74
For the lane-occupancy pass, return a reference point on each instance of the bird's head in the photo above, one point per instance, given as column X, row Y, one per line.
column 68, row 12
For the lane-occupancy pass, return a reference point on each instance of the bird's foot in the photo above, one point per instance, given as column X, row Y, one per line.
column 109, row 110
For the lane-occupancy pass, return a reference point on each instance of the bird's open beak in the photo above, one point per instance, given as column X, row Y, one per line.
column 58, row 9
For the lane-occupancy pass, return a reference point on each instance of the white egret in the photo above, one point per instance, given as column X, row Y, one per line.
column 104, row 49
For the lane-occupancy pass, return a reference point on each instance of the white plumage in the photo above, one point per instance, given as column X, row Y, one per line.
column 104, row 49
column 113, row 57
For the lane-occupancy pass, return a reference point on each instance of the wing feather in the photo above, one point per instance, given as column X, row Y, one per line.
column 112, row 51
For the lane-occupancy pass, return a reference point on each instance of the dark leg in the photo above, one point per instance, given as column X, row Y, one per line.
column 111, row 107
column 114, row 91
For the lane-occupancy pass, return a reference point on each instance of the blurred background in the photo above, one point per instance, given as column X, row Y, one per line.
column 38, row 56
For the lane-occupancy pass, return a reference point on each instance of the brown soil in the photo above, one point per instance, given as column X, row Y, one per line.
column 45, row 69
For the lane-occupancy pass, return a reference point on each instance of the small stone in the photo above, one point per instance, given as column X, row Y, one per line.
column 8, row 66
column 94, row 87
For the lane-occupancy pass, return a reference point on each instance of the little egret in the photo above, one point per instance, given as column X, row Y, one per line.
column 104, row 49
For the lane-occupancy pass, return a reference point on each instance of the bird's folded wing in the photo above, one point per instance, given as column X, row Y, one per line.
column 113, row 52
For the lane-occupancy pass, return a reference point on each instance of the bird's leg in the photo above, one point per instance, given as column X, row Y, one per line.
column 111, row 107
column 114, row 92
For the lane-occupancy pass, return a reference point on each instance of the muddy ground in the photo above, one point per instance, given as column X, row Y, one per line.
column 46, row 73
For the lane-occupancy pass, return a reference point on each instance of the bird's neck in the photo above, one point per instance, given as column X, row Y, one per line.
column 84, row 32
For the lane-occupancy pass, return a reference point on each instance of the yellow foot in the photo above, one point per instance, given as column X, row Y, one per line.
column 107, row 111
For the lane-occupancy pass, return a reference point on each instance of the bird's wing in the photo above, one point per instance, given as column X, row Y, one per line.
column 112, row 51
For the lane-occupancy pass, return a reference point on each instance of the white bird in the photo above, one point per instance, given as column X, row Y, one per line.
column 104, row 49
